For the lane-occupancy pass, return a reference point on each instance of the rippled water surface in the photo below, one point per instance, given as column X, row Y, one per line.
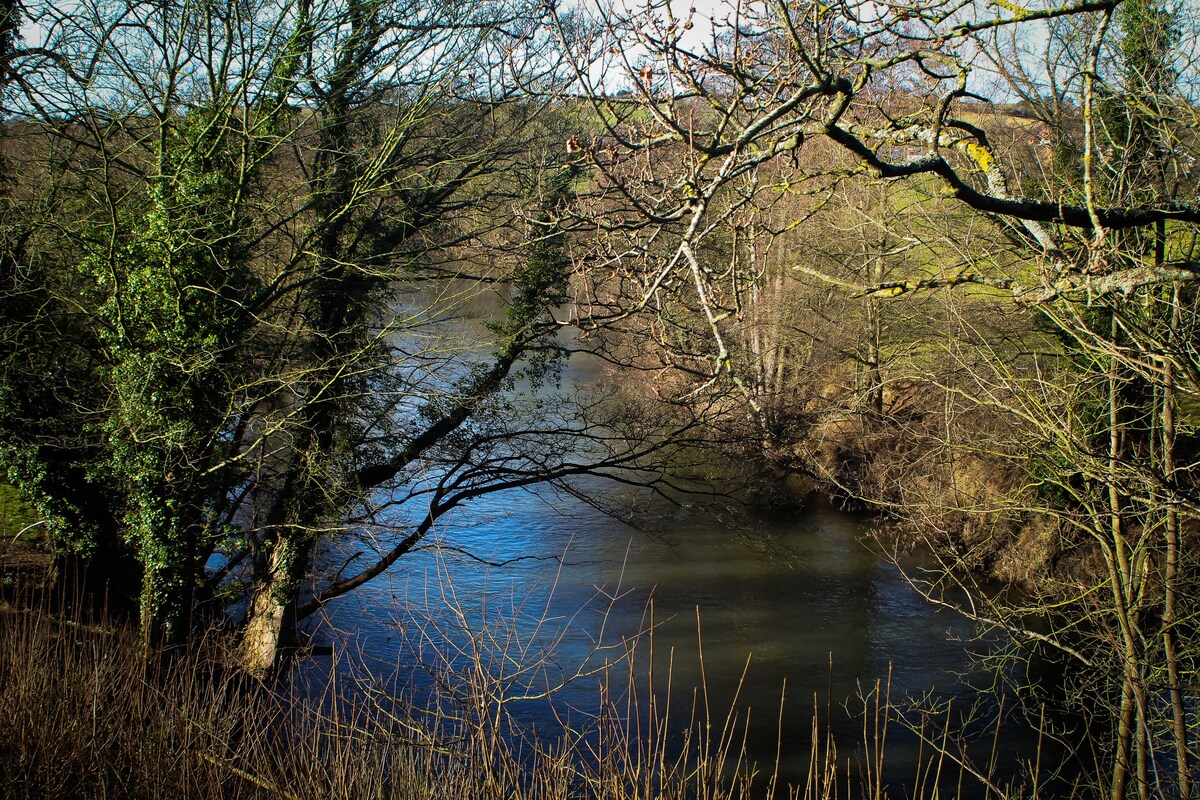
column 806, row 600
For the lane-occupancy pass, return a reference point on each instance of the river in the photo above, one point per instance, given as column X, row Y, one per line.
column 805, row 601
column 801, row 608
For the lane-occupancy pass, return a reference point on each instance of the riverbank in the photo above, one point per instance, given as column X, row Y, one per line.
column 90, row 714
column 945, row 480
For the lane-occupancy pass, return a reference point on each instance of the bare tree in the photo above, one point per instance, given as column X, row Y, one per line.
column 1087, row 190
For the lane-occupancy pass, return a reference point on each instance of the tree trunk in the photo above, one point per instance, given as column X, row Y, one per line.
column 271, row 615
column 1119, row 576
column 874, row 375
column 267, row 633
column 1179, row 729
column 1120, row 773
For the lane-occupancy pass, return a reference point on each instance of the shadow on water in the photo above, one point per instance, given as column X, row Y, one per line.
column 805, row 603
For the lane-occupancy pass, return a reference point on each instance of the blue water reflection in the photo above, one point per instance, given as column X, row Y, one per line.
column 807, row 600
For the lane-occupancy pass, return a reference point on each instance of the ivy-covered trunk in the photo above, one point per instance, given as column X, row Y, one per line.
column 170, row 286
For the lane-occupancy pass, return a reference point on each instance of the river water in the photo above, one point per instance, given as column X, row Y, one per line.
column 791, row 611
column 802, row 600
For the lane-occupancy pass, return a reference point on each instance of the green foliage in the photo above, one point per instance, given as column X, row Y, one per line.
column 1132, row 115
column 1150, row 35
column 15, row 515
column 540, row 281
column 169, row 300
